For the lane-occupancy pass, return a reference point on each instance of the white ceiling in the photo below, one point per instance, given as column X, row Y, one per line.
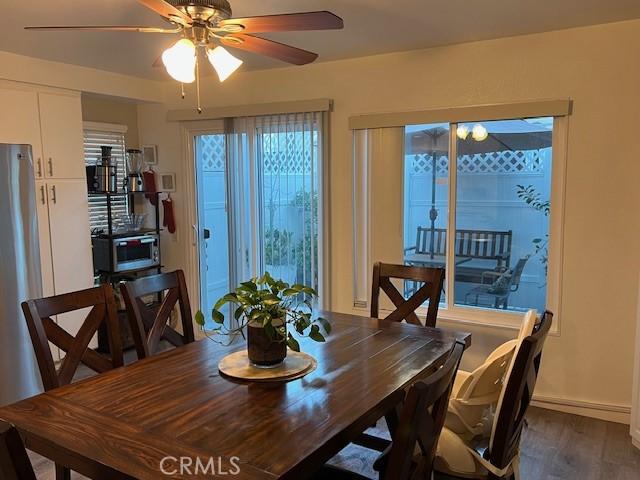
column 371, row 27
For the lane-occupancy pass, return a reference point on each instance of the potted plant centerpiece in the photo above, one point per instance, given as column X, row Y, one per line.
column 266, row 308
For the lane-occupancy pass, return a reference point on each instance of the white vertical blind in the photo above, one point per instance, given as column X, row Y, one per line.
column 93, row 140
column 285, row 152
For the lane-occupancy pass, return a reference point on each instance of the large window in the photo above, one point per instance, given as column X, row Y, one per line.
column 497, row 254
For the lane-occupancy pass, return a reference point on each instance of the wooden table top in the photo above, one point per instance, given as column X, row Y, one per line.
column 121, row 424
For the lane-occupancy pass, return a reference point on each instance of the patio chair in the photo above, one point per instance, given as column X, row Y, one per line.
column 504, row 284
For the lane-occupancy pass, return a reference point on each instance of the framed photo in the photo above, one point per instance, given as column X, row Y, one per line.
column 150, row 153
column 167, row 182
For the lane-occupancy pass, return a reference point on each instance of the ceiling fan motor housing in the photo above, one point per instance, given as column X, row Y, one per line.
column 221, row 7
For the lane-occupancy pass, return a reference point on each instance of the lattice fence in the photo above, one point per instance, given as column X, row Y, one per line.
column 482, row 163
column 291, row 153
column 213, row 152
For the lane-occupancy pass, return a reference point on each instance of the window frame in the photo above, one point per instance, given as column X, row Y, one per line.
column 450, row 312
column 107, row 129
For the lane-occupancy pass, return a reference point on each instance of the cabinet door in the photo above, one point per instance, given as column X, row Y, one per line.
column 70, row 244
column 46, row 265
column 62, row 138
column 20, row 122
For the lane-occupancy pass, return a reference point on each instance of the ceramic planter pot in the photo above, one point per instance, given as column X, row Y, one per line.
column 264, row 352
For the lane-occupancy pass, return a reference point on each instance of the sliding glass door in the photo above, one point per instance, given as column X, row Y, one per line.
column 213, row 219
column 259, row 202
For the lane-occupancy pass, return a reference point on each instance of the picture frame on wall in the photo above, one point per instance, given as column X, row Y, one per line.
column 150, row 154
column 167, row 182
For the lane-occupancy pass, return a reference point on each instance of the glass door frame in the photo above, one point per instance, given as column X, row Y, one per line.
column 196, row 238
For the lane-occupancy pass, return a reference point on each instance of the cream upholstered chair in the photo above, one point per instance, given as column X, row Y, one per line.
column 498, row 456
column 475, row 394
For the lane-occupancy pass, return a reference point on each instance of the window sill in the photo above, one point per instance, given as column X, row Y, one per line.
column 473, row 317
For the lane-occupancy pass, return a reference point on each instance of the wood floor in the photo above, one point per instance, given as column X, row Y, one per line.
column 555, row 446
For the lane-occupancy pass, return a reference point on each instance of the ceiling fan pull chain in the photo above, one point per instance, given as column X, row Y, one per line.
column 198, row 86
column 182, row 90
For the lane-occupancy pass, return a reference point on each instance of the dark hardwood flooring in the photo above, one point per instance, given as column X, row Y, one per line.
column 555, row 446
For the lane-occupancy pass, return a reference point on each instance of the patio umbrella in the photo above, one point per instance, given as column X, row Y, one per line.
column 435, row 142
column 503, row 135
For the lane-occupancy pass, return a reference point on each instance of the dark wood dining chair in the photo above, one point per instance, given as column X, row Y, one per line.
column 431, row 289
column 14, row 461
column 421, row 417
column 150, row 325
column 44, row 330
column 497, row 456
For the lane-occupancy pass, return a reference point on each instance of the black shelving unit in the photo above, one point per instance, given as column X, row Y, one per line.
column 114, row 278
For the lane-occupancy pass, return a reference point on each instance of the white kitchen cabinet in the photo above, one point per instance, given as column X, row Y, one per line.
column 62, row 137
column 46, row 264
column 50, row 120
column 20, row 122
column 71, row 256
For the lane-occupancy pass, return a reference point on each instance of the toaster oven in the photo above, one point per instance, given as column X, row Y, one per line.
column 122, row 254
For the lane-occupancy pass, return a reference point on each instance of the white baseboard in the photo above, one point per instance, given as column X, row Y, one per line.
column 602, row 411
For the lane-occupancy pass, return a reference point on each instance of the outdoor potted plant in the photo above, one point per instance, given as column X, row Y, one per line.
column 266, row 308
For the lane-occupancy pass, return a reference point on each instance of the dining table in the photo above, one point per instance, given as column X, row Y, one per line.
column 167, row 415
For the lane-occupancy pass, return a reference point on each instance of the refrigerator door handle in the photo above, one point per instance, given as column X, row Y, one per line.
column 43, row 195
column 54, row 197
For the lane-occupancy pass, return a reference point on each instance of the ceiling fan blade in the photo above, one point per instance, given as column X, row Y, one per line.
column 269, row 48
column 283, row 23
column 168, row 11
column 109, row 28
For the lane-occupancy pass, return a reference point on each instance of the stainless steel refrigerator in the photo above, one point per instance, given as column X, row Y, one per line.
column 20, row 276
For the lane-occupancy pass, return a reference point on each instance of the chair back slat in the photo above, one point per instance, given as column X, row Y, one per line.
column 432, row 280
column 150, row 326
column 43, row 331
column 14, row 461
column 421, row 420
column 517, row 394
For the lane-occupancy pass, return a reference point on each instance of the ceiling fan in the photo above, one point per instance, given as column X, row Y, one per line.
column 207, row 25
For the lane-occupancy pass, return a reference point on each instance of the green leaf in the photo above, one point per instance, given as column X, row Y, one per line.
column 310, row 291
column 250, row 286
column 325, row 324
column 293, row 343
column 315, row 334
column 200, row 318
column 217, row 316
column 290, row 292
column 238, row 313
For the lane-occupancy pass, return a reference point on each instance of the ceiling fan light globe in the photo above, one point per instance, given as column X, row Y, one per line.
column 223, row 62
column 180, row 61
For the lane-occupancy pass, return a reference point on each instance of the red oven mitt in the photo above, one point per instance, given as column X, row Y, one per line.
column 169, row 219
column 150, row 186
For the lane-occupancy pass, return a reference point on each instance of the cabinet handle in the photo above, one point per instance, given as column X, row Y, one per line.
column 54, row 197
column 43, row 198
column 50, row 167
column 39, row 171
